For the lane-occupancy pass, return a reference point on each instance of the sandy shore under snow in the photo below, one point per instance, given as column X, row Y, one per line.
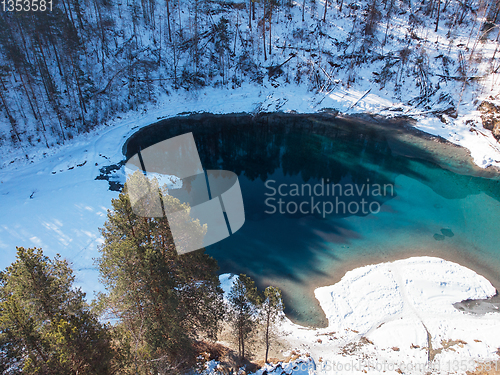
column 333, row 275
column 399, row 316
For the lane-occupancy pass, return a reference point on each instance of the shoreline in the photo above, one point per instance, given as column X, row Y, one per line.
column 39, row 174
column 339, row 271
column 401, row 312
column 433, row 148
column 396, row 312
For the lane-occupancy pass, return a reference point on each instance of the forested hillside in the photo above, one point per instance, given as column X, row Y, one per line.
column 68, row 70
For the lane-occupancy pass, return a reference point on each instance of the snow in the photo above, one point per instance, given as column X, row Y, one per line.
column 252, row 98
column 483, row 147
column 323, row 53
column 392, row 290
column 383, row 314
column 54, row 202
column 301, row 366
column 226, row 283
column 170, row 181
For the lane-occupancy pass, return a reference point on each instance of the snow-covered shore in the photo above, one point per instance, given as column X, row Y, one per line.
column 466, row 130
column 397, row 315
column 403, row 63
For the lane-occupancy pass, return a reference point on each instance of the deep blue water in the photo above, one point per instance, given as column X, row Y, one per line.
column 435, row 201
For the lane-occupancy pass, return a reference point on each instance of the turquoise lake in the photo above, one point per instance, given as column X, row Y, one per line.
column 436, row 203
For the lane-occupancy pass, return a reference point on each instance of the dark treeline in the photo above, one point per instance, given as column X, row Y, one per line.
column 65, row 71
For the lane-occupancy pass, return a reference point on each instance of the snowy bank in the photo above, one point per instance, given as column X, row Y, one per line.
column 466, row 130
column 360, row 57
column 398, row 316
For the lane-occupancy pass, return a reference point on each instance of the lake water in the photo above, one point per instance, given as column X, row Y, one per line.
column 422, row 196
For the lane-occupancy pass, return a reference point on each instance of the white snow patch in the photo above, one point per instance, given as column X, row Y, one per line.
column 379, row 317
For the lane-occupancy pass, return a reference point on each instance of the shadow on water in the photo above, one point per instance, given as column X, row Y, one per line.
column 281, row 149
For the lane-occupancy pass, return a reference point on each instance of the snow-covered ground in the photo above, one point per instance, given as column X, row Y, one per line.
column 252, row 98
column 329, row 64
column 382, row 317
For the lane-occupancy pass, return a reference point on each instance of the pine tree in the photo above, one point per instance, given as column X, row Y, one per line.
column 271, row 314
column 46, row 327
column 243, row 301
column 164, row 300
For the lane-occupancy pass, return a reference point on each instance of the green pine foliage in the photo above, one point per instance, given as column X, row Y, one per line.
column 243, row 301
column 253, row 314
column 46, row 327
column 163, row 301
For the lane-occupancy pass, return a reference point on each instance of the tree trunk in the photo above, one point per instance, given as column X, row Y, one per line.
column 28, row 96
column 80, row 94
column 168, row 21
column 495, row 16
column 159, row 49
column 242, row 348
column 25, row 45
column 69, row 14
column 12, row 120
column 103, row 35
column 48, row 85
column 196, row 50
column 431, row 13
column 496, row 48
column 57, row 57
column 264, row 29
column 179, row 9
column 34, row 105
column 438, row 14
column 250, row 14
column 326, row 7
column 175, row 63
column 267, row 334
column 270, row 27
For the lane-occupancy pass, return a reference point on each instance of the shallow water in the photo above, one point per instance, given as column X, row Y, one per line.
column 436, row 202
